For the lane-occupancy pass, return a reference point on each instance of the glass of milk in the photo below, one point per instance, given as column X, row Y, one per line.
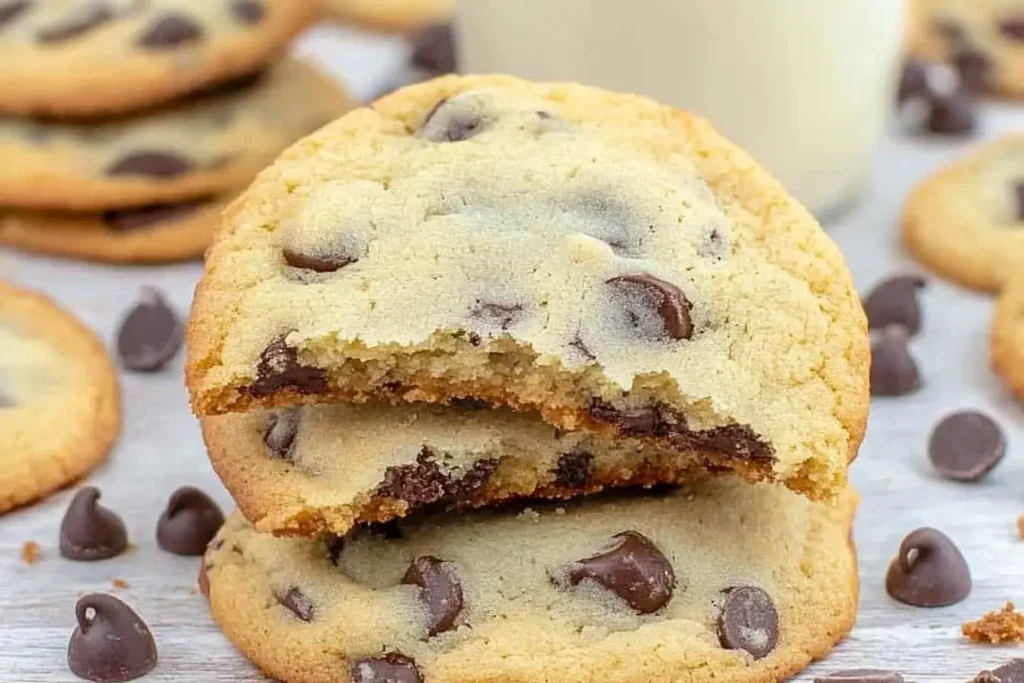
column 804, row 85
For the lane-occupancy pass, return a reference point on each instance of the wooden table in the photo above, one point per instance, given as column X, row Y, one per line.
column 160, row 450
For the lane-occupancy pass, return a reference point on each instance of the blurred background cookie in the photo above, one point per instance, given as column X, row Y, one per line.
column 391, row 15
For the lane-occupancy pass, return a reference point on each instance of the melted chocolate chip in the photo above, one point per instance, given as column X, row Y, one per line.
column 170, row 31
column 150, row 335
column 501, row 315
column 111, row 642
column 441, row 591
column 318, row 264
column 633, row 568
column 298, row 602
column 574, row 470
column 127, row 220
column 89, row 532
column 88, row 18
column 433, row 49
column 424, row 483
column 861, row 676
column 447, row 122
column 894, row 302
column 279, row 368
column 248, row 11
column 391, row 668
column 1010, row 672
column 152, row 164
column 748, row 621
column 929, row 571
column 11, row 10
column 1012, row 28
column 189, row 522
column 894, row 371
column 975, row 69
column 966, row 445
column 281, row 429
column 648, row 293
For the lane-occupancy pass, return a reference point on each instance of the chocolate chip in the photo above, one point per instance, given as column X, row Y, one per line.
column 151, row 163
column 170, row 31
column 11, row 10
column 150, row 335
column 319, row 264
column 574, row 470
column 929, row 571
column 966, row 445
column 298, row 602
column 447, row 122
column 111, row 642
column 88, row 18
column 748, row 621
column 391, row 668
column 425, row 483
column 248, row 11
column 281, row 429
column 952, row 114
column 433, row 49
column 894, row 302
column 861, row 676
column 127, row 220
column 645, row 293
column 631, row 422
column 441, row 591
column 1012, row 28
column 1018, row 191
column 91, row 532
column 975, row 69
column 500, row 315
column 189, row 522
column 279, row 368
column 1010, row 672
column 913, row 81
column 633, row 568
column 894, row 371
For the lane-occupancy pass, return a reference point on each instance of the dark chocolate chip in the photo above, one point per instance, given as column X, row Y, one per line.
column 748, row 621
column 951, row 114
column 441, row 591
column 574, row 470
column 189, row 522
column 88, row 18
column 91, row 532
column 444, row 124
column 150, row 335
column 913, row 81
column 281, row 429
column 502, row 315
column 127, row 220
column 391, row 668
column 170, row 31
column 894, row 371
column 151, row 163
column 298, row 602
column 111, row 642
column 633, row 568
column 861, row 676
column 950, row 29
column 631, row 422
column 248, row 11
column 647, row 293
column 894, row 302
column 433, row 49
column 11, row 10
column 1018, row 191
column 1012, row 28
column 1010, row 672
column 966, row 445
column 425, row 483
column 929, row 571
column 975, row 69
column 279, row 368
column 319, row 264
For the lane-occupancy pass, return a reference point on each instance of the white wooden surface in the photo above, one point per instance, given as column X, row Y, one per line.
column 160, row 450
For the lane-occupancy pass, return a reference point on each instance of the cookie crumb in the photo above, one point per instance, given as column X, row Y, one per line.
column 1020, row 527
column 119, row 584
column 999, row 626
column 30, row 552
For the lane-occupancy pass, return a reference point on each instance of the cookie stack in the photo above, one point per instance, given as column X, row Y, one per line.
column 434, row 328
column 126, row 127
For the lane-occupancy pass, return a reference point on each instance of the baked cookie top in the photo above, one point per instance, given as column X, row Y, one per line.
column 967, row 220
column 1008, row 335
column 209, row 143
column 60, row 408
column 91, row 57
column 719, row 582
column 608, row 261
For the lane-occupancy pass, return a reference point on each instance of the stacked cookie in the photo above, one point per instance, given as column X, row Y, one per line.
column 127, row 126
column 433, row 328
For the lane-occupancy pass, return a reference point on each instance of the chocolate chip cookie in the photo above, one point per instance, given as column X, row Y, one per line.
column 724, row 581
column 967, row 220
column 1008, row 336
column 982, row 39
column 391, row 15
column 216, row 142
column 60, row 404
column 92, row 57
column 162, row 233
column 610, row 262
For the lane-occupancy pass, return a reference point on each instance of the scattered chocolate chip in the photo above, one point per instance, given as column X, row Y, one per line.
column 441, row 591
column 1018, row 191
column 447, row 122
column 1012, row 28
column 318, row 264
column 281, row 429
column 646, row 293
column 151, row 163
column 11, row 10
column 425, row 483
column 502, row 315
column 633, row 568
column 279, row 368
column 189, row 522
column 85, row 20
column 170, row 31
column 748, row 621
column 950, row 29
column 391, row 668
column 433, row 49
column 952, row 114
column 298, row 602
column 1010, row 672
column 861, row 676
column 966, row 445
column 894, row 302
column 975, row 69
column 929, row 571
column 111, row 642
column 894, row 371
column 248, row 11
column 150, row 335
column 90, row 532
column 574, row 470
column 913, row 81
column 127, row 220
